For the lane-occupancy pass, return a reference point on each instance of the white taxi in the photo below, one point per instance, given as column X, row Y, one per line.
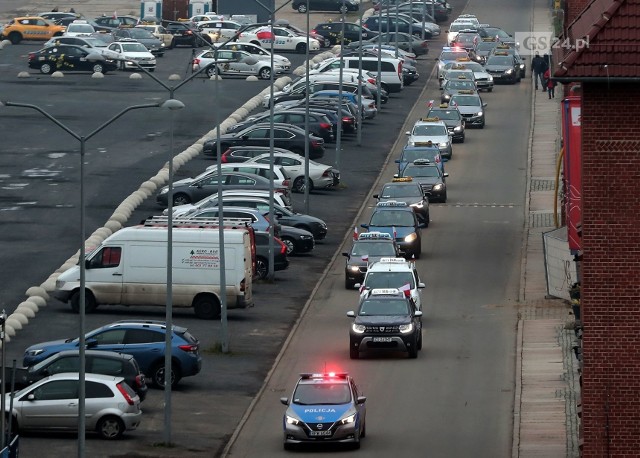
column 394, row 273
column 132, row 52
column 239, row 63
column 431, row 131
column 222, row 30
column 283, row 39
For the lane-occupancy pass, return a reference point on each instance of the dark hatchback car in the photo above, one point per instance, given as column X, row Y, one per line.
column 332, row 31
column 280, row 260
column 185, row 34
column 385, row 320
column 369, row 248
column 150, row 41
column 348, row 112
column 319, row 124
column 430, row 178
column 109, row 23
column 97, row 362
column 285, row 136
column 68, row 58
column 296, row 240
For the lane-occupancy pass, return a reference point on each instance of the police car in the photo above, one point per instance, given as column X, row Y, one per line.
column 285, row 39
column 399, row 220
column 431, row 130
column 394, row 273
column 452, row 118
column 405, row 189
column 325, row 407
column 386, row 319
column 368, row 247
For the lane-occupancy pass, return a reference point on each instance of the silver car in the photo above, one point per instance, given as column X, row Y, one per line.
column 112, row 407
column 239, row 63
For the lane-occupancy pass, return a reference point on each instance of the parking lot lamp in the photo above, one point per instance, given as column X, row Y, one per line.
column 306, row 121
column 81, row 260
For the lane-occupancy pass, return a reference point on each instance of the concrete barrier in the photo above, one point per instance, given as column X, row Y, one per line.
column 37, row 291
column 20, row 317
column 9, row 331
column 97, row 75
column 29, row 305
column 49, row 285
column 252, row 78
column 24, row 75
column 26, row 311
column 174, row 77
column 135, row 76
column 13, row 323
column 57, row 74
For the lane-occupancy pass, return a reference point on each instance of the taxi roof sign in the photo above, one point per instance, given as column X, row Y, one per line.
column 392, row 203
column 422, row 161
column 501, row 53
column 427, row 143
column 402, row 179
column 444, row 105
column 502, row 46
column 463, row 59
column 431, row 119
column 466, row 91
column 491, row 39
column 374, row 236
column 393, row 261
column 384, row 291
column 462, row 77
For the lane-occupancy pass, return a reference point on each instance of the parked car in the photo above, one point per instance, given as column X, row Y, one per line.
column 111, row 406
column 30, row 28
column 211, row 201
column 285, row 136
column 97, row 362
column 150, row 41
column 133, row 54
column 160, row 33
column 144, row 340
column 79, row 27
column 296, row 240
column 186, row 34
column 110, row 23
column 319, row 124
column 286, row 40
column 256, row 218
column 68, row 58
column 91, row 44
column 280, row 176
column 280, row 260
column 239, row 63
column 343, row 6
column 332, row 31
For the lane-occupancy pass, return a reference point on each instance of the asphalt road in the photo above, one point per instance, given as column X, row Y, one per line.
column 456, row 399
column 40, row 230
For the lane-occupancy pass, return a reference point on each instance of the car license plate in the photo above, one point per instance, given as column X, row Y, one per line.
column 320, row 433
column 382, row 339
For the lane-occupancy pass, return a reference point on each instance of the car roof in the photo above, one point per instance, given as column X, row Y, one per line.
column 88, row 376
column 104, row 353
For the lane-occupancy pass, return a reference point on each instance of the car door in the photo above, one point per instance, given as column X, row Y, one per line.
column 53, row 404
column 145, row 345
column 361, row 408
column 78, row 59
column 98, row 396
column 256, row 137
column 283, row 39
column 284, row 139
column 226, row 62
column 205, row 186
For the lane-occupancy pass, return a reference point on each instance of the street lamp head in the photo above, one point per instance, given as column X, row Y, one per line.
column 172, row 105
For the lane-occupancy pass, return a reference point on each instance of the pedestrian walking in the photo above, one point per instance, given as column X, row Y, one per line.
column 550, row 85
column 538, row 66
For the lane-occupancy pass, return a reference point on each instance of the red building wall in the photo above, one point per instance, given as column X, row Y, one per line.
column 610, row 293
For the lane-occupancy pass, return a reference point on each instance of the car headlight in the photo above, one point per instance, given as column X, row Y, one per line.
column 35, row 352
column 437, row 187
column 447, row 96
column 354, row 268
column 490, row 78
column 509, row 72
column 457, row 129
column 164, row 191
column 349, row 419
column 405, row 328
column 411, row 237
column 291, row 420
column 443, row 145
column 521, row 66
column 162, row 45
column 411, row 143
column 479, row 113
column 358, row 328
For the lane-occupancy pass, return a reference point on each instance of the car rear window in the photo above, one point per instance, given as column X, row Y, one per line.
column 186, row 335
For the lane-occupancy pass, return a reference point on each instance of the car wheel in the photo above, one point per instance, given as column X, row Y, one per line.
column 444, row 198
column 289, row 243
column 110, row 427
column 98, row 68
column 344, row 9
column 265, row 73
column 172, row 44
column 419, row 344
column 287, row 446
column 211, row 71
column 46, row 69
column 151, row 70
column 207, row 307
column 298, row 185
column 262, row 268
column 348, row 284
column 363, row 434
column 181, row 199
column 302, row 8
column 462, row 139
column 15, row 38
column 490, row 89
column 354, row 353
column 89, row 302
column 157, row 375
column 123, row 67
column 413, row 350
column 427, row 219
column 301, row 48
column 482, row 125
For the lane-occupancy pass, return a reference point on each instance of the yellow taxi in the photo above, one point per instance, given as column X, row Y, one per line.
column 30, row 28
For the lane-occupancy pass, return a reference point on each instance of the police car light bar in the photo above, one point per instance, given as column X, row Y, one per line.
column 392, row 203
column 308, row 375
column 374, row 236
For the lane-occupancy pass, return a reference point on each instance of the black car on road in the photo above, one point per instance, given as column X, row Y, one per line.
column 186, row 34
column 385, row 320
column 429, row 176
column 369, row 247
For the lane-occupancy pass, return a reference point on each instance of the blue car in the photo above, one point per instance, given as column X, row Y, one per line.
column 324, row 408
column 399, row 220
column 367, row 108
column 412, row 153
column 144, row 340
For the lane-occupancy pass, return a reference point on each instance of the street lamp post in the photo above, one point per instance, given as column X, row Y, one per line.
column 339, row 132
column 82, row 296
column 306, row 122
column 360, row 78
column 380, row 54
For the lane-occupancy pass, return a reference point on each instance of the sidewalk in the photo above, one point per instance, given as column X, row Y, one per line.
column 545, row 420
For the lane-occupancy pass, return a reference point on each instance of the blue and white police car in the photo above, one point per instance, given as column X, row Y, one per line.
column 327, row 407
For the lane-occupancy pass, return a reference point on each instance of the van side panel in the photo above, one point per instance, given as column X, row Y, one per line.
column 390, row 75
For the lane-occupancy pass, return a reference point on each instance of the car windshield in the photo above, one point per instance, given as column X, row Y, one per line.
column 412, row 155
column 452, row 55
column 393, row 218
column 80, row 28
column 486, row 46
column 429, row 130
column 373, row 249
column 473, row 66
column 458, row 26
column 140, row 33
column 494, row 32
column 420, row 171
column 457, row 84
column 466, row 100
column 96, row 43
column 394, row 190
column 444, row 114
column 134, row 47
column 500, row 60
column 465, row 38
column 382, row 307
column 322, row 394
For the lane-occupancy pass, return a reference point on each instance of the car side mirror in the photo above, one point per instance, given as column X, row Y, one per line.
column 421, row 285
column 362, row 399
column 364, row 226
column 417, row 313
column 284, row 401
column 484, row 105
column 446, row 174
column 397, row 161
column 375, row 196
column 87, row 264
column 357, row 285
column 346, row 255
column 351, row 314
column 245, row 137
column 407, row 133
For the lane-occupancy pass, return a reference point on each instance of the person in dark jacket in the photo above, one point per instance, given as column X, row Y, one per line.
column 538, row 66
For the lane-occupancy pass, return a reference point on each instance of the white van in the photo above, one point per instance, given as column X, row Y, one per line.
column 391, row 69
column 130, row 268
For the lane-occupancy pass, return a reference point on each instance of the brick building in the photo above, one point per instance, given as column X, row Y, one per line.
column 608, row 70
